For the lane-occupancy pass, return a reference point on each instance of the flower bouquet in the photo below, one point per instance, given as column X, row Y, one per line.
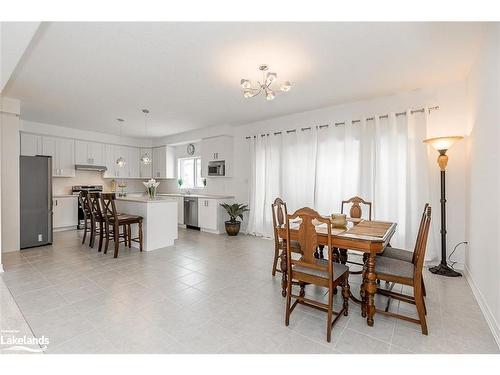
column 151, row 186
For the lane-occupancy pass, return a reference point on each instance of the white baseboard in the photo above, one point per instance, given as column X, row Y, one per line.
column 1, row 267
column 490, row 318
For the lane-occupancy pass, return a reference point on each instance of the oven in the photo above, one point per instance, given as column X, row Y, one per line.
column 75, row 190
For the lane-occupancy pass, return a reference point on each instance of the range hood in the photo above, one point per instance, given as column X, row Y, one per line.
column 85, row 167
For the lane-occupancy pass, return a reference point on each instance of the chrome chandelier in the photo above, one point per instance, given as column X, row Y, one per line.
column 120, row 162
column 268, row 79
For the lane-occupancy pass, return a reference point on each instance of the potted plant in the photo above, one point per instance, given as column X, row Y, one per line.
column 234, row 211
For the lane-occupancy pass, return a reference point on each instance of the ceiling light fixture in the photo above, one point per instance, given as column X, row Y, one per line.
column 264, row 86
column 120, row 162
column 145, row 158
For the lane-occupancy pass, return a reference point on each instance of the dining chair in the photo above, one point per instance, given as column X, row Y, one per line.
column 308, row 269
column 397, row 271
column 84, row 203
column 406, row 255
column 279, row 214
column 355, row 212
column 114, row 221
column 97, row 219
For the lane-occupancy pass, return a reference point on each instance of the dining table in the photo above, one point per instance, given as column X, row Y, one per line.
column 368, row 236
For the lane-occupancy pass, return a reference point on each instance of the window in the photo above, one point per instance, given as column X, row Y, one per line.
column 189, row 169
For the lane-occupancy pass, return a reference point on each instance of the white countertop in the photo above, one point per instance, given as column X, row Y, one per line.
column 143, row 199
column 64, row 196
column 207, row 196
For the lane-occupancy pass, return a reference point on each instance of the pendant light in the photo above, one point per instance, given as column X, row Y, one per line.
column 120, row 162
column 145, row 158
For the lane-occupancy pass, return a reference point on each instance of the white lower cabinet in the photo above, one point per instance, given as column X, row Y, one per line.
column 65, row 212
column 211, row 216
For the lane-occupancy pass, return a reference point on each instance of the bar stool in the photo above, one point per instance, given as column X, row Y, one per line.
column 97, row 219
column 113, row 221
column 83, row 199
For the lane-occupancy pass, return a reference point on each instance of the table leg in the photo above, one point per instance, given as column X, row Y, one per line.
column 283, row 266
column 370, row 288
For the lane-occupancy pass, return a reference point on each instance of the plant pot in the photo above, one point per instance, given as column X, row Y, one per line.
column 232, row 227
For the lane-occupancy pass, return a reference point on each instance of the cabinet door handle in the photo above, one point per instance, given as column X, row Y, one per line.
column 56, row 202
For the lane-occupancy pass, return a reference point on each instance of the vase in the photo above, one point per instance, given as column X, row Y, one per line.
column 151, row 193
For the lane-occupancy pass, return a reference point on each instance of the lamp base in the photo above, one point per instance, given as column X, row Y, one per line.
column 444, row 270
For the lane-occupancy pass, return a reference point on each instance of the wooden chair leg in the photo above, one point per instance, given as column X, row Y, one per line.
column 419, row 302
column 85, row 227
column 276, row 256
column 117, row 240
column 140, row 236
column 346, row 293
column 129, row 236
column 330, row 315
column 288, row 300
column 106, row 245
column 92, row 233
column 424, row 292
column 101, row 235
column 343, row 256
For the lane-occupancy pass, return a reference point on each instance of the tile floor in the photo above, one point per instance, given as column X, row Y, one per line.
column 210, row 294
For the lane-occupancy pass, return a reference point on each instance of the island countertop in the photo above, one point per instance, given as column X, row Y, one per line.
column 143, row 199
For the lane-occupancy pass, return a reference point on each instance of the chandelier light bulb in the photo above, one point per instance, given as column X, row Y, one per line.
column 285, row 87
column 270, row 78
column 145, row 159
column 270, row 95
column 247, row 94
column 245, row 83
column 121, row 162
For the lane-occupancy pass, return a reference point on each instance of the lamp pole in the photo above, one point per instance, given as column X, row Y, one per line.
column 443, row 268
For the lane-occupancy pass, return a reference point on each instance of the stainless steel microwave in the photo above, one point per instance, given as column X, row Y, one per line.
column 217, row 168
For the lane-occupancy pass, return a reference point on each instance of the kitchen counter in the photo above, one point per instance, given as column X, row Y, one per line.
column 206, row 196
column 64, row 196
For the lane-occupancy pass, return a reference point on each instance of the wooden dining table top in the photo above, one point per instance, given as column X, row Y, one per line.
column 363, row 235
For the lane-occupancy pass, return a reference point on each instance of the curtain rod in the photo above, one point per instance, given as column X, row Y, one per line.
column 421, row 110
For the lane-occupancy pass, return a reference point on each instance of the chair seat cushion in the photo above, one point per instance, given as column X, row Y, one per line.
column 338, row 269
column 400, row 254
column 127, row 218
column 394, row 267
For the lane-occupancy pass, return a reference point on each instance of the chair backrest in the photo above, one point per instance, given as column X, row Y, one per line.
column 308, row 239
column 421, row 245
column 108, row 207
column 420, row 232
column 95, row 205
column 356, row 212
column 279, row 215
column 83, row 197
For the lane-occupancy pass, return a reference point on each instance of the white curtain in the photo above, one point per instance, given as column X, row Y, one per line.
column 383, row 160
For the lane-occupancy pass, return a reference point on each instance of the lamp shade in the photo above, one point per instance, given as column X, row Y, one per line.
column 443, row 143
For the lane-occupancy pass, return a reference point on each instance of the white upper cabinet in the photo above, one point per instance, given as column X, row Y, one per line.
column 133, row 162
column 89, row 153
column 31, row 144
column 217, row 149
column 164, row 162
column 62, row 151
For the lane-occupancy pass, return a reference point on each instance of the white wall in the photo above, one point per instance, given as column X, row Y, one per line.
column 449, row 119
column 482, row 184
column 9, row 129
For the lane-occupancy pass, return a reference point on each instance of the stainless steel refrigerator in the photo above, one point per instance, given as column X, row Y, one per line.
column 35, row 180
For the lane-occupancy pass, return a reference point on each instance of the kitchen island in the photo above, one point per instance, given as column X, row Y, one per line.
column 160, row 219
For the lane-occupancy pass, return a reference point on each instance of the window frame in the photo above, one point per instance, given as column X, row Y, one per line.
column 196, row 178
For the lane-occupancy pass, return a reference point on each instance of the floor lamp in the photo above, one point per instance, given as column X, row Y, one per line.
column 442, row 144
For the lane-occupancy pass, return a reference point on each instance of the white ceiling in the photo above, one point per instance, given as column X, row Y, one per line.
column 85, row 75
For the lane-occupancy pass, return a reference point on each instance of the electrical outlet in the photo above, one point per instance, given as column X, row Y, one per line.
column 40, row 237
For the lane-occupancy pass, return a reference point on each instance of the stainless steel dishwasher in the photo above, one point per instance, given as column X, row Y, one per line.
column 191, row 212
